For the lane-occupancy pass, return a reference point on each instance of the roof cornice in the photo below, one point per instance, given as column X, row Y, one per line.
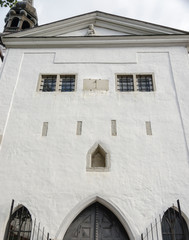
column 96, row 41
column 98, row 19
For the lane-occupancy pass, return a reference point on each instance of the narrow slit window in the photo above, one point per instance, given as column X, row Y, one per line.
column 148, row 128
column 79, row 128
column 45, row 129
column 114, row 127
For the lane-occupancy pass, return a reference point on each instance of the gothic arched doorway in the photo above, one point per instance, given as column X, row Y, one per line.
column 96, row 222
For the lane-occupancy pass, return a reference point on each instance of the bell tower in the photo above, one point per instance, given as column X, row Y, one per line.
column 21, row 16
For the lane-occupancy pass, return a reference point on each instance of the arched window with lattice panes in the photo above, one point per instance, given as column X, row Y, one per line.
column 174, row 226
column 19, row 225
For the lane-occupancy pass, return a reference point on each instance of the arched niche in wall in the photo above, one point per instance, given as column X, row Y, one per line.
column 98, row 158
column 96, row 222
column 19, row 225
column 174, row 226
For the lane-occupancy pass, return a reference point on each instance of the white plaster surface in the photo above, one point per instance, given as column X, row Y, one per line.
column 48, row 174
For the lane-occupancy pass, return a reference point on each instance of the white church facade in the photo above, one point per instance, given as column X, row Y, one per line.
column 94, row 129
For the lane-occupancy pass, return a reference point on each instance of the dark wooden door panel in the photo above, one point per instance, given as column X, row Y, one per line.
column 96, row 223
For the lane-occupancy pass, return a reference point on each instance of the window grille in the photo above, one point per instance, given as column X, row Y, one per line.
column 174, row 226
column 144, row 83
column 125, row 83
column 20, row 225
column 54, row 83
column 67, row 83
column 48, row 83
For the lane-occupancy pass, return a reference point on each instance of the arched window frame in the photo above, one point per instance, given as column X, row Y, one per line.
column 106, row 155
column 19, row 226
column 15, row 22
column 174, row 226
column 24, row 25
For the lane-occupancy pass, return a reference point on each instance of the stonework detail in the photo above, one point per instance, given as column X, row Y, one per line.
column 20, row 17
column 91, row 30
column 98, row 159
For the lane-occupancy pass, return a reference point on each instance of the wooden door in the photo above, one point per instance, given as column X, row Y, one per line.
column 96, row 223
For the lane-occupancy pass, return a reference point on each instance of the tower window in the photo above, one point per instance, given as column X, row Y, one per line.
column 15, row 22
column 133, row 82
column 25, row 25
column 52, row 83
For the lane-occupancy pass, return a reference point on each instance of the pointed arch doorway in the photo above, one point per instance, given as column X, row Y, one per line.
column 96, row 222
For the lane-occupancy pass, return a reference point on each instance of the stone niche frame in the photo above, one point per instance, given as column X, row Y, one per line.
column 98, row 147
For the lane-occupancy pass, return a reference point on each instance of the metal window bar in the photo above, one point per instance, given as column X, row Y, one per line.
column 19, row 226
column 48, row 83
column 144, row 83
column 171, row 227
column 153, row 232
column 125, row 83
column 67, row 83
column 38, row 233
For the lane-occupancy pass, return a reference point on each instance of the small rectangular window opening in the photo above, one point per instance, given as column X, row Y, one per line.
column 45, row 129
column 148, row 128
column 114, row 127
column 48, row 83
column 67, row 83
column 125, row 83
column 144, row 83
column 79, row 128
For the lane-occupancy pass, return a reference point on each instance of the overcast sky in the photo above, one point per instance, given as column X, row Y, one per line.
column 171, row 13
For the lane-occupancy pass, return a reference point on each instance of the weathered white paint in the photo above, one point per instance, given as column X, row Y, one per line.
column 48, row 174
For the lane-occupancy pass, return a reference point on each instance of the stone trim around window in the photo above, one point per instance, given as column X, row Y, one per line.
column 57, row 83
column 98, row 159
column 138, row 82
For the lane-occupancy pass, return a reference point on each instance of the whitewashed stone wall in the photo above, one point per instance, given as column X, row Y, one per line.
column 48, row 174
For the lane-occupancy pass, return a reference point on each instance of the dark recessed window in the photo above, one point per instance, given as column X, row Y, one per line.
column 48, row 83
column 20, row 225
column 125, row 83
column 25, row 25
column 15, row 22
column 144, row 83
column 67, row 83
column 174, row 226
